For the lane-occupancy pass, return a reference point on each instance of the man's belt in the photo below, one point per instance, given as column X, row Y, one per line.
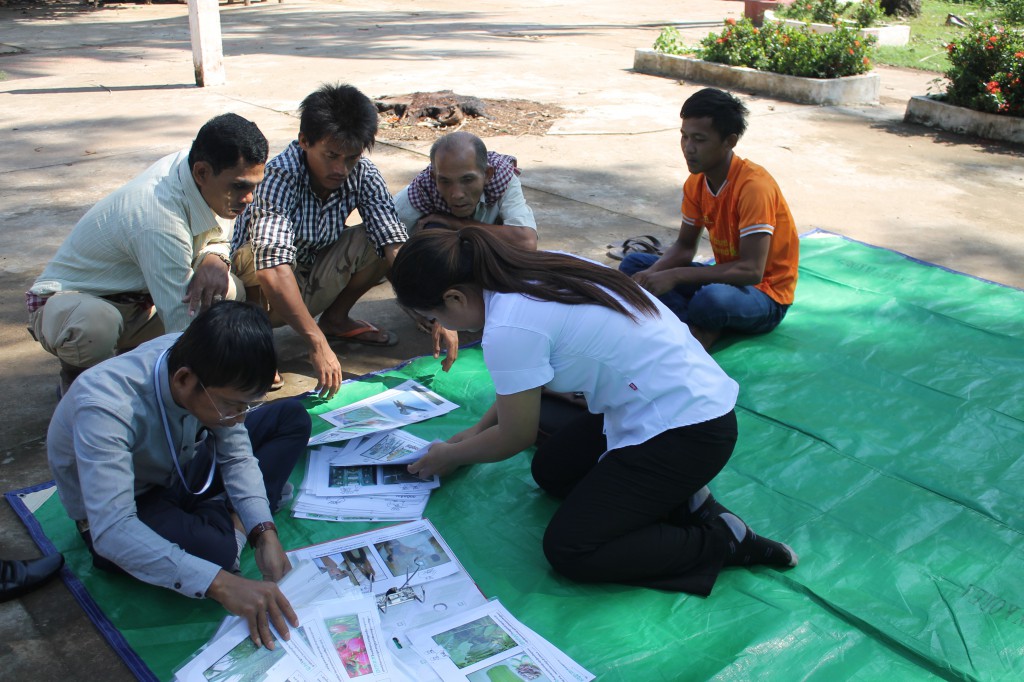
column 138, row 298
column 141, row 299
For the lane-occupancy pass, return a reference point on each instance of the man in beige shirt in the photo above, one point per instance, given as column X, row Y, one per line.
column 145, row 259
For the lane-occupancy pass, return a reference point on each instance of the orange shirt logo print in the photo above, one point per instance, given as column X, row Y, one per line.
column 722, row 247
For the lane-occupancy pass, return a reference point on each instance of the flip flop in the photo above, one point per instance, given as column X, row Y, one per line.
column 278, row 383
column 645, row 243
column 365, row 327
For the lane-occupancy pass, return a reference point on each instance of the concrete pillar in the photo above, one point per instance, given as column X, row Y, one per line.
column 207, row 49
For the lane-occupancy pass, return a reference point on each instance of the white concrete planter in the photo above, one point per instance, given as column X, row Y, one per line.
column 862, row 89
column 896, row 35
column 936, row 114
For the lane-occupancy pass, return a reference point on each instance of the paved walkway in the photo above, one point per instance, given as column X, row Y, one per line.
column 94, row 96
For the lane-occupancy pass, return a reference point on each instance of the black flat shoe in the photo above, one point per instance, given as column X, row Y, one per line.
column 21, row 577
column 754, row 549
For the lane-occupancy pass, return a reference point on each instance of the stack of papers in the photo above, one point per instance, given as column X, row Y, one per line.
column 356, row 470
column 385, row 606
column 338, row 640
column 405, row 404
column 230, row 655
column 365, row 479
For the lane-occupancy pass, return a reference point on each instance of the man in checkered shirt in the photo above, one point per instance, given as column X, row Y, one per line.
column 293, row 249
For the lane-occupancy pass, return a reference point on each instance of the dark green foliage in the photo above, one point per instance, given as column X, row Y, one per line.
column 985, row 70
column 787, row 50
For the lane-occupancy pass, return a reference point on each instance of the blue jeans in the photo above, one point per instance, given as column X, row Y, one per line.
column 715, row 306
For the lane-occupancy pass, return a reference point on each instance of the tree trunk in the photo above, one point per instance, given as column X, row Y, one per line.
column 901, row 8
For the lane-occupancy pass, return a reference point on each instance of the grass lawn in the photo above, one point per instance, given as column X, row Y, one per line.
column 929, row 36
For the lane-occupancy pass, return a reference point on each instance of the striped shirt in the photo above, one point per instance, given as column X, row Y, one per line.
column 288, row 223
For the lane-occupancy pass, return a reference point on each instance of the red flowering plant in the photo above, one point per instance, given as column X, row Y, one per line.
column 986, row 67
column 864, row 13
column 788, row 50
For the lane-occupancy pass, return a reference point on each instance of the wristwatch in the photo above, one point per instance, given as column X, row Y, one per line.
column 258, row 530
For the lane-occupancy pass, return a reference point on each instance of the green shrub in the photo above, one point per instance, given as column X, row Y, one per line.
column 1012, row 12
column 863, row 14
column 985, row 70
column 669, row 41
column 827, row 11
column 782, row 49
column 867, row 13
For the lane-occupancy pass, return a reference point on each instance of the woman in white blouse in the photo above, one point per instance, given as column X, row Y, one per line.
column 633, row 470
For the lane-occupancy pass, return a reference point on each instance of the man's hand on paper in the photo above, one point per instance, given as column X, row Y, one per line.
column 259, row 603
column 438, row 461
column 326, row 368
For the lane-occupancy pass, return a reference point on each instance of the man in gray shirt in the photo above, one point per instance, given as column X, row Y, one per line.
column 153, row 462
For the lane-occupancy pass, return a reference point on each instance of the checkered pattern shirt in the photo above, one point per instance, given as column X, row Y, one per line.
column 288, row 223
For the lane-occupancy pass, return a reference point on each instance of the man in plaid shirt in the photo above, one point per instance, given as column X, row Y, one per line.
column 292, row 248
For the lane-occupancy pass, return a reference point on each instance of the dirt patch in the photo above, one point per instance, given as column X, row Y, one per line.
column 502, row 117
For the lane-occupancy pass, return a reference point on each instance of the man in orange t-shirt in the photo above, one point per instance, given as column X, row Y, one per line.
column 752, row 233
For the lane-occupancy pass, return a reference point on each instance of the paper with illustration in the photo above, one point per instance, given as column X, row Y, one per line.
column 388, row 447
column 487, row 643
column 347, row 640
column 325, row 479
column 386, row 557
column 233, row 656
column 407, row 403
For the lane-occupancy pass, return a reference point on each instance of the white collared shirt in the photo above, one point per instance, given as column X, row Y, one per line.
column 146, row 236
column 645, row 377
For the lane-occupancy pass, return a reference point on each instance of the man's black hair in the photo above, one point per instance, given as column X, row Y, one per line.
column 728, row 115
column 230, row 344
column 227, row 139
column 340, row 112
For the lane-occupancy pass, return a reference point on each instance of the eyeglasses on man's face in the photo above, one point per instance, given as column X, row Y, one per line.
column 232, row 414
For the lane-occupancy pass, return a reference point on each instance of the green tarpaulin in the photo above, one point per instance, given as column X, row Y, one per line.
column 881, row 433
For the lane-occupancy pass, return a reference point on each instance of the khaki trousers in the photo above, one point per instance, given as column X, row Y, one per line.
column 321, row 284
column 84, row 330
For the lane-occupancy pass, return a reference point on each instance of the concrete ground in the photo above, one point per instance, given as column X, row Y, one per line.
column 94, row 96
